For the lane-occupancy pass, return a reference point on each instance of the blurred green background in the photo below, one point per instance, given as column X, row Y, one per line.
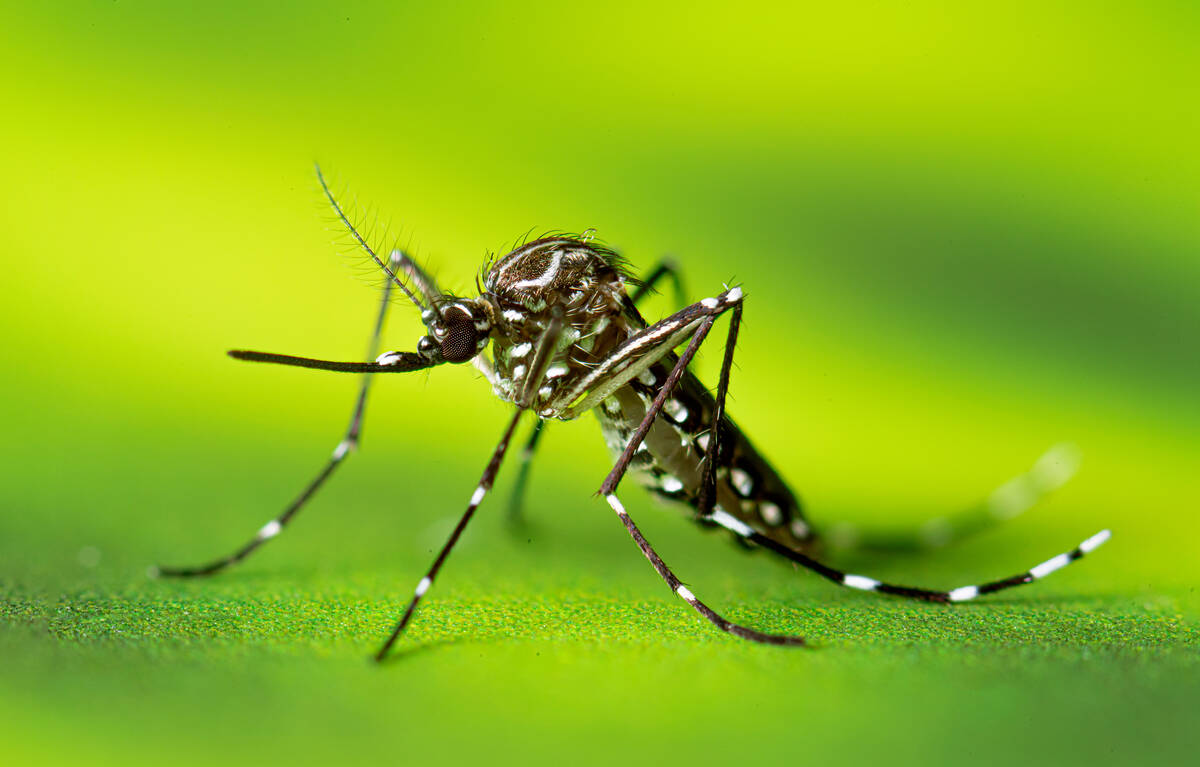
column 968, row 232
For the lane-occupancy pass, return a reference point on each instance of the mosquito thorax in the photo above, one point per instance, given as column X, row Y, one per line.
column 580, row 282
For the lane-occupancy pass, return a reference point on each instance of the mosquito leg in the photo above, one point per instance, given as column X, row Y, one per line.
column 517, row 500
column 665, row 268
column 485, row 484
column 684, row 593
column 350, row 441
column 712, row 456
column 742, row 529
column 543, row 355
column 425, row 284
column 864, row 583
column 534, row 376
column 1051, row 471
column 652, row 412
column 608, row 490
column 712, row 308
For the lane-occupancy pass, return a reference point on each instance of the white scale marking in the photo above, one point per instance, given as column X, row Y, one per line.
column 671, row 484
column 741, row 482
column 1049, row 566
column 270, row 530
column 616, row 505
column 548, row 275
column 734, row 294
column 860, row 582
column 423, row 586
column 342, row 448
column 1096, row 541
column 771, row 513
column 1012, row 498
column 520, row 350
column 556, row 370
column 710, row 303
column 647, row 377
column 518, row 371
column 964, row 593
column 1055, row 467
column 730, row 522
column 676, row 410
column 684, row 592
column 477, row 496
column 512, row 315
column 388, row 358
column 545, row 392
column 799, row 528
column 647, row 337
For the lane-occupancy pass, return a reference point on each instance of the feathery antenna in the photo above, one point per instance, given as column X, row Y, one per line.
column 361, row 241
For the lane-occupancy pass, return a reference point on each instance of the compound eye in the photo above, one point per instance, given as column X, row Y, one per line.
column 461, row 340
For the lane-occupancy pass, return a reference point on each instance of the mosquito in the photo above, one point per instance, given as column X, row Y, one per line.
column 560, row 314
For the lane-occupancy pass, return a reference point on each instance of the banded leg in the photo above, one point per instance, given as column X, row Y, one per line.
column 667, row 268
column 485, row 484
column 712, row 455
column 737, row 526
column 349, row 442
column 865, row 583
column 703, row 326
column 1016, row 496
column 685, row 593
column 608, row 490
column 537, row 373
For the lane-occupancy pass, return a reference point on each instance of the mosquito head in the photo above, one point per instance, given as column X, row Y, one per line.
column 458, row 330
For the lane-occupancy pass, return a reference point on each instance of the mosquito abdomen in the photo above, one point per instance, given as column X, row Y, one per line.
column 747, row 486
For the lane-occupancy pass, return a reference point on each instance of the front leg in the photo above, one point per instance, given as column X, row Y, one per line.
column 348, row 443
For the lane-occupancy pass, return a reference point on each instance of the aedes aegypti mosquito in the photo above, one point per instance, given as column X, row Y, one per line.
column 567, row 338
